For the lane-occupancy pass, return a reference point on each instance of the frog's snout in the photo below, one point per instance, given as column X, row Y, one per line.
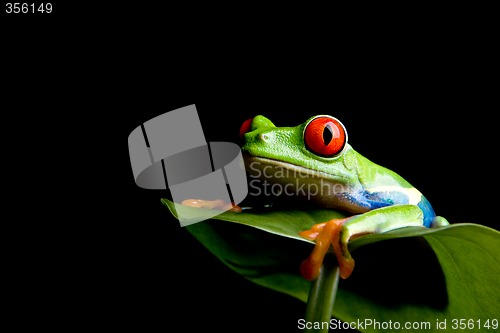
column 255, row 123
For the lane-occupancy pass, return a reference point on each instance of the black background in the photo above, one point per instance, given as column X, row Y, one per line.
column 103, row 252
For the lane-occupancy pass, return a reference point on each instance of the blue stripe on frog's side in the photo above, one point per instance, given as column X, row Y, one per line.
column 374, row 200
column 429, row 214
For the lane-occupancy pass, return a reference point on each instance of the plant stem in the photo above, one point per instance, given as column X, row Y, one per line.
column 322, row 296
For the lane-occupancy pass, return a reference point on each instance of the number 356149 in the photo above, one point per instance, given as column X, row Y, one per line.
column 28, row 8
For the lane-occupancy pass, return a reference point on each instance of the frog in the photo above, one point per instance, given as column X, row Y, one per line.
column 316, row 152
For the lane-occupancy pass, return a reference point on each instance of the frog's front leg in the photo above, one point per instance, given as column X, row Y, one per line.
column 338, row 232
column 326, row 234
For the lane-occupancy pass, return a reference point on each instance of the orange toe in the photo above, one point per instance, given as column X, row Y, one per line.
column 309, row 234
column 346, row 266
column 324, row 234
column 310, row 269
column 346, row 263
column 313, row 233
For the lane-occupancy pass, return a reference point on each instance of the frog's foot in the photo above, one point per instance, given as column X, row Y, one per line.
column 313, row 233
column 326, row 234
column 211, row 204
column 439, row 222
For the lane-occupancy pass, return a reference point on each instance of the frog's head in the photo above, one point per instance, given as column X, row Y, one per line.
column 316, row 148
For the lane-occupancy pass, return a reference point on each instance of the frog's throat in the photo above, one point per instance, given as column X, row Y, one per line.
column 255, row 163
column 335, row 191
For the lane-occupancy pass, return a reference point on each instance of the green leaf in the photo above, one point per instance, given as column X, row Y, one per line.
column 410, row 276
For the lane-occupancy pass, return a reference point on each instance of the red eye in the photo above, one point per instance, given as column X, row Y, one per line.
column 245, row 127
column 325, row 136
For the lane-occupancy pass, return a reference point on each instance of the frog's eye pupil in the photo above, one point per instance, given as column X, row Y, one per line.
column 325, row 136
column 328, row 134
